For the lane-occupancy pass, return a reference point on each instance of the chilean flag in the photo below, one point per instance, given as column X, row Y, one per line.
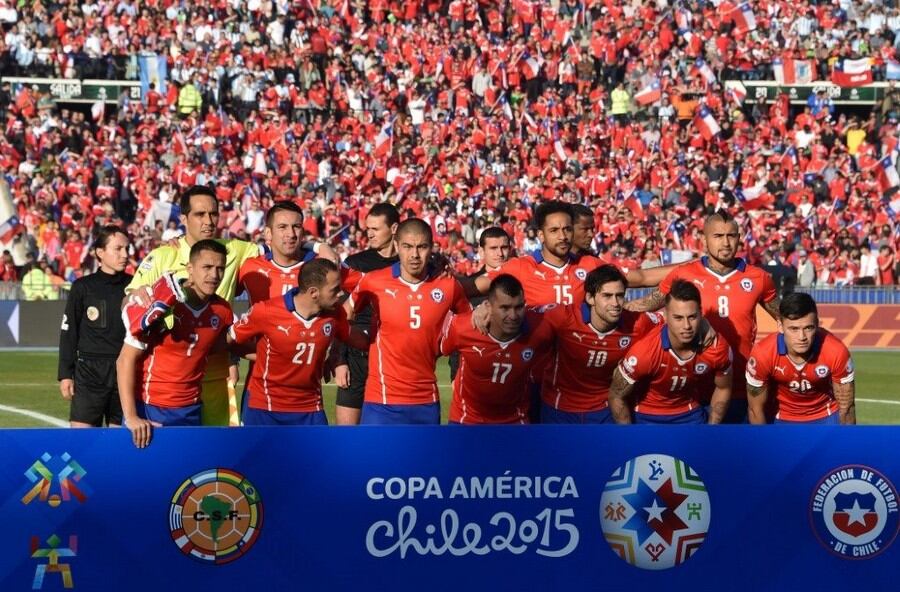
column 791, row 71
column 649, row 94
column 705, row 71
column 887, row 176
column 682, row 19
column 384, row 140
column 736, row 95
column 533, row 66
column 855, row 513
column 634, row 204
column 9, row 229
column 743, row 18
column 754, row 198
column 706, row 123
column 561, row 151
column 852, row 72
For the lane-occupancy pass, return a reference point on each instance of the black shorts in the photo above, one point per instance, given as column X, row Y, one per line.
column 96, row 392
column 359, row 371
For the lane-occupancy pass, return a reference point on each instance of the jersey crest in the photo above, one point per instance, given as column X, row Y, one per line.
column 747, row 284
column 437, row 295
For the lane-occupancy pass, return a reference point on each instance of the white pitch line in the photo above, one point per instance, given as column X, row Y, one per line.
column 879, row 401
column 35, row 415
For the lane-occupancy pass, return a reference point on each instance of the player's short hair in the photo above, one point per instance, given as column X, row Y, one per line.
column 282, row 206
column 603, row 275
column 184, row 203
column 207, row 244
column 797, row 305
column 684, row 291
column 491, row 232
column 580, row 211
column 314, row 273
column 507, row 284
column 414, row 225
column 106, row 233
column 719, row 216
column 387, row 211
column 547, row 209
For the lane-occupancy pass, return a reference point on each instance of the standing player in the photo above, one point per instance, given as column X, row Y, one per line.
column 91, row 335
column 591, row 339
column 493, row 250
column 495, row 369
column 583, row 230
column 809, row 368
column 409, row 301
column 160, row 377
column 730, row 289
column 669, row 367
column 200, row 217
column 381, row 224
column 295, row 332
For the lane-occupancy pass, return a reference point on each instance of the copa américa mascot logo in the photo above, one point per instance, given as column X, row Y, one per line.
column 655, row 512
column 215, row 516
column 854, row 512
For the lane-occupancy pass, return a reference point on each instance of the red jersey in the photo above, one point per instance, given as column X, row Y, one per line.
column 580, row 373
column 406, row 324
column 729, row 305
column 175, row 359
column 669, row 385
column 290, row 353
column 262, row 278
column 491, row 383
column 548, row 284
column 804, row 392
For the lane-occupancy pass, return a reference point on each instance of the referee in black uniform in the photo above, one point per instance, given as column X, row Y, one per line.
column 381, row 224
column 92, row 333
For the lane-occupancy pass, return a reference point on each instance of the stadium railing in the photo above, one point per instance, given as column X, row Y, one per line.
column 832, row 295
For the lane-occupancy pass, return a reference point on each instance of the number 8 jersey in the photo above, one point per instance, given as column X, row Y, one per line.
column 406, row 325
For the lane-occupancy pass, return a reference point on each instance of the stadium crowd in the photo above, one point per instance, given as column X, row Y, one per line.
column 465, row 113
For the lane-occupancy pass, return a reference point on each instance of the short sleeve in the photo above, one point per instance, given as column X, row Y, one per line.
column 361, row 295
column 637, row 364
column 666, row 284
column 250, row 325
column 759, row 368
column 842, row 370
column 449, row 341
column 768, row 288
column 460, row 302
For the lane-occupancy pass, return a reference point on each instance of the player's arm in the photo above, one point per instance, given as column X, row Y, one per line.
column 772, row 307
column 718, row 404
column 358, row 339
column 619, row 391
column 845, row 394
column 126, row 368
column 649, row 303
column 68, row 343
column 650, row 277
column 324, row 250
column 147, row 273
column 756, row 402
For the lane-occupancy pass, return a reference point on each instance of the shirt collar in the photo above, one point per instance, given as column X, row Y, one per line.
column 740, row 264
column 585, row 312
column 289, row 299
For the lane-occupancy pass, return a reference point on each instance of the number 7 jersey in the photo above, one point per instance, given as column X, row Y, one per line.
column 406, row 325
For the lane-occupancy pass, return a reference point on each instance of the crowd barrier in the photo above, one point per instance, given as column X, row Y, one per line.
column 444, row 508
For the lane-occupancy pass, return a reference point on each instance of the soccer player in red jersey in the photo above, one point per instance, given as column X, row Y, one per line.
column 666, row 370
column 591, row 339
column 295, row 332
column 809, row 368
column 160, row 376
column 491, row 385
column 555, row 275
column 410, row 301
column 730, row 289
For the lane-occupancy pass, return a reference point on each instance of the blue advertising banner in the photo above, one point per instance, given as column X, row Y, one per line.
column 574, row 507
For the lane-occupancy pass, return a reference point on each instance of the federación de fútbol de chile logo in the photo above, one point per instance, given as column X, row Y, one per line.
column 215, row 516
column 655, row 511
column 854, row 512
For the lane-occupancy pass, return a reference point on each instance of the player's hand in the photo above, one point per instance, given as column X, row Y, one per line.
column 173, row 242
column 632, row 305
column 481, row 318
column 441, row 264
column 67, row 388
column 326, row 252
column 141, row 430
column 234, row 373
column 142, row 296
column 342, row 376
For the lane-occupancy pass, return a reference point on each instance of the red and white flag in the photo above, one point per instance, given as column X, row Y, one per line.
column 384, row 140
column 852, row 72
column 743, row 18
column 887, row 176
column 706, row 123
column 792, row 71
column 649, row 94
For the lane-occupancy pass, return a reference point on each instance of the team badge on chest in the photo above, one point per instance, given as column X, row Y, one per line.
column 747, row 284
column 437, row 295
column 326, row 329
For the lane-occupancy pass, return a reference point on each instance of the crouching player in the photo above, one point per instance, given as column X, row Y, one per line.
column 809, row 369
column 667, row 369
column 295, row 333
column 491, row 385
column 160, row 374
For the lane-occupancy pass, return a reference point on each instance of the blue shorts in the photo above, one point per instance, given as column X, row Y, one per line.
column 258, row 417
column 696, row 416
column 378, row 414
column 551, row 415
column 833, row 419
column 171, row 416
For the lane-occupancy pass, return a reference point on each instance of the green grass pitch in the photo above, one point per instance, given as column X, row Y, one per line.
column 28, row 385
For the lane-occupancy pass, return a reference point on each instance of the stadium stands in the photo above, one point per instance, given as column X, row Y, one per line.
column 466, row 113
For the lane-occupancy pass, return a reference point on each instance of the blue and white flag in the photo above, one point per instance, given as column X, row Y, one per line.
column 153, row 68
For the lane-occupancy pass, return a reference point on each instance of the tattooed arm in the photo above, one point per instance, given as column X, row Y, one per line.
column 846, row 398
column 756, row 403
column 718, row 404
column 619, row 391
column 772, row 306
column 652, row 301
